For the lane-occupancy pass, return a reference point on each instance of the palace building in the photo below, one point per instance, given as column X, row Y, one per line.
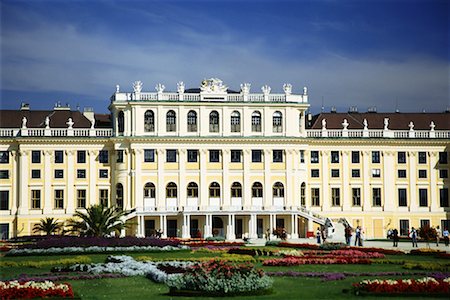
column 213, row 161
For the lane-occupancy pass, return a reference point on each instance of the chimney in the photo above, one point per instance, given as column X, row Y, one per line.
column 24, row 106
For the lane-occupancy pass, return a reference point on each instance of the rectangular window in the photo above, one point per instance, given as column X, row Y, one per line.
column 119, row 154
column 103, row 173
column 36, row 157
column 334, row 173
column 302, row 156
column 356, row 196
column 103, row 156
column 277, row 156
column 59, row 199
column 256, row 156
column 404, row 227
column 214, row 155
column 375, row 157
column 443, row 158
column 314, row 157
column 81, row 198
column 59, row 173
column 192, row 155
column 422, row 173
column 4, row 157
column 401, row 157
column 443, row 173
column 422, row 157
column 355, row 157
column 35, row 174
column 103, row 197
column 315, row 173
column 376, row 173
column 401, row 173
column 35, row 199
column 315, row 197
column 402, row 198
column 4, row 200
column 236, row 156
column 4, row 174
column 171, row 156
column 376, row 196
column 334, row 157
column 443, row 197
column 424, row 223
column 423, row 197
column 59, row 157
column 335, row 197
column 81, row 173
column 149, row 155
column 81, row 157
column 356, row 173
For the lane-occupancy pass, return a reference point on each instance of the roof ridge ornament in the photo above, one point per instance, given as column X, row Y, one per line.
column 213, row 85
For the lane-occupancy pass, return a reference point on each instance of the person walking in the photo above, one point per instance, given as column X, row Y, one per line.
column 318, row 234
column 358, row 236
column 413, row 235
column 445, row 235
column 438, row 235
column 395, row 237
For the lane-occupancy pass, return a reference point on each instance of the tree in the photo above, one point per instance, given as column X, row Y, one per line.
column 97, row 221
column 47, row 225
column 427, row 233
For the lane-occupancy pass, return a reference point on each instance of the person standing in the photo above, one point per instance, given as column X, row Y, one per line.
column 358, row 236
column 395, row 237
column 445, row 235
column 348, row 235
column 438, row 235
column 413, row 236
column 318, row 234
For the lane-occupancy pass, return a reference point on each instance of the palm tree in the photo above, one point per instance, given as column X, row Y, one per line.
column 98, row 220
column 47, row 225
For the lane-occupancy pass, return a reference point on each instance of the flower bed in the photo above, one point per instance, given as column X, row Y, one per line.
column 296, row 261
column 194, row 244
column 425, row 251
column 64, row 276
column 331, row 276
column 298, row 245
column 43, row 263
column 427, row 266
column 425, row 286
column 223, row 256
column 379, row 250
column 357, row 253
column 32, row 289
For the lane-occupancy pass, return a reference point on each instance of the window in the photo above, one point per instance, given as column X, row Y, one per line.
column 214, row 155
column 59, row 199
column 277, row 156
column 149, row 121
column 214, row 121
column 103, row 173
column 171, row 155
column 214, row 190
column 4, row 200
column 334, row 157
column 334, row 173
column 171, row 121
column 302, row 156
column 402, row 198
column 4, row 157
column 35, row 199
column 192, row 155
column 278, row 189
column 192, row 190
column 256, row 121
column 59, row 173
column 236, row 156
column 401, row 173
column 277, row 122
column 119, row 154
column 315, row 173
column 81, row 198
column 375, row 157
column 4, row 174
column 35, row 174
column 81, row 173
column 81, row 157
column 424, row 223
column 376, row 196
column 314, row 157
column 59, row 157
column 149, row 155
column 303, row 194
column 423, row 197
column 192, row 121
column 443, row 158
column 335, row 197
column 315, row 197
column 356, row 173
column 376, row 173
column 149, row 190
column 443, row 197
column 171, row 190
column 36, row 157
column 356, row 196
column 422, row 157
column 103, row 156
column 119, row 195
column 256, row 156
column 104, row 197
column 121, row 122
column 404, row 227
column 235, row 121
column 443, row 173
column 401, row 157
column 422, row 173
column 355, row 157
column 236, row 190
column 257, row 190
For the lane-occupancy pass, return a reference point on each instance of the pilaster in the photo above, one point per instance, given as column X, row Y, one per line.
column 346, row 196
column 92, row 179
column 70, row 192
column 389, row 180
column 23, row 199
column 47, row 195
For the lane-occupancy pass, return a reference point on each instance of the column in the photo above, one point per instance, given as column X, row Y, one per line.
column 163, row 225
column 365, row 173
column 161, row 189
column 230, row 228
column 346, row 196
column 325, row 185
column 137, row 186
column 267, row 189
column 310, row 222
column 226, row 186
column 160, row 121
column 412, row 175
column 23, row 199
column 434, row 189
column 271, row 226
column 203, row 188
column 92, row 179
column 388, row 174
column 267, row 122
column 185, row 228
column 70, row 182
column 294, row 234
column 142, row 225
column 252, row 227
column 47, row 193
column 208, row 230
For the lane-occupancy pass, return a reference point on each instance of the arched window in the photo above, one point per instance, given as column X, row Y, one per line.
column 171, row 190
column 149, row 121
column 192, row 121
column 149, row 190
column 214, row 190
column 256, row 121
column 121, row 122
column 119, row 195
column 278, row 190
column 277, row 122
column 303, row 194
column 257, row 190
column 235, row 121
column 192, row 190
column 171, row 121
column 236, row 190
column 214, row 121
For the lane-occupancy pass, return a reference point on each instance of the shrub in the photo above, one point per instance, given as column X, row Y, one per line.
column 251, row 252
column 427, row 266
column 273, row 243
column 216, row 238
column 332, row 246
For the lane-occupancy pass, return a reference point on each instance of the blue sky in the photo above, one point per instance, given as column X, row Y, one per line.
column 389, row 54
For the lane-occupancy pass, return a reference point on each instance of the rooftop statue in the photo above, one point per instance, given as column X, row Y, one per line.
column 245, row 88
column 287, row 88
column 324, row 124
column 24, row 122
column 266, row 89
column 70, row 123
column 137, row 86
column 345, row 124
column 47, row 122
column 213, row 85
column 180, row 87
column 160, row 88
column 365, row 124
column 386, row 123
